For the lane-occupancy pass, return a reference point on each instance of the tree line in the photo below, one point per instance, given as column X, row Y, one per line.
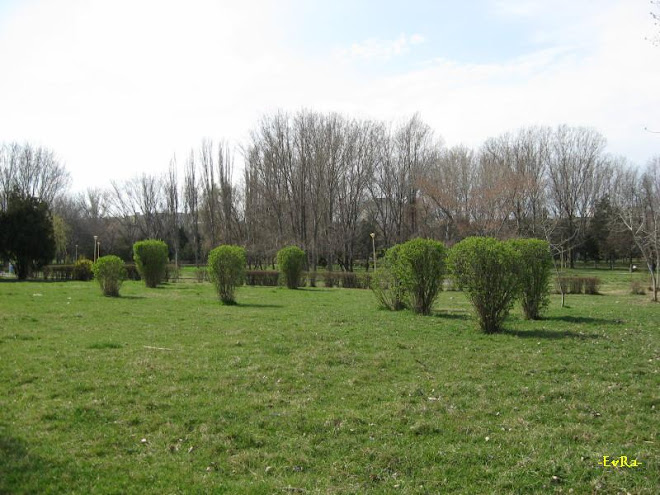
column 325, row 181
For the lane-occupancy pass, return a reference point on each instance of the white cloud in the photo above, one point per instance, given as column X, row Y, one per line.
column 378, row 49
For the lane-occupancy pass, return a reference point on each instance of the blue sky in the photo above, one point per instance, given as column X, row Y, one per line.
column 116, row 88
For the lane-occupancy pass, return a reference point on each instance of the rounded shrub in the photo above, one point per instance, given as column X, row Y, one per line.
column 151, row 261
column 487, row 270
column 387, row 288
column 110, row 273
column 420, row 268
column 534, row 274
column 82, row 270
column 226, row 269
column 291, row 261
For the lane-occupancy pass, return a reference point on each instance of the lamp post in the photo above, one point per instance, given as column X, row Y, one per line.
column 76, row 252
column 98, row 251
column 94, row 255
column 373, row 246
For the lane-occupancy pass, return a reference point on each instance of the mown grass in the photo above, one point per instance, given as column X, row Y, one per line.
column 317, row 391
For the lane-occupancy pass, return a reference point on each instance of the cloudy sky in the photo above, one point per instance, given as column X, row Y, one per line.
column 117, row 87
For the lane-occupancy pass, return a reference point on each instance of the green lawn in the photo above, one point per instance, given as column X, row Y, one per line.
column 317, row 391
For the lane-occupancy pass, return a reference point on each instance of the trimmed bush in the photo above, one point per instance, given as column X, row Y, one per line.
column 577, row 285
column 82, row 270
column 534, row 272
column 57, row 272
column 591, row 285
column 487, row 270
column 420, row 268
column 262, row 277
column 291, row 261
column 110, row 273
column 387, row 288
column 151, row 261
column 330, row 279
column 201, row 275
column 226, row 270
column 637, row 288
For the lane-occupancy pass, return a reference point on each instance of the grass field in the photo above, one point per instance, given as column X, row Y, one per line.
column 317, row 391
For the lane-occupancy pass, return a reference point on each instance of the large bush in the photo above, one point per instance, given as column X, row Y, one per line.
column 82, row 270
column 487, row 270
column 27, row 238
column 151, row 261
column 291, row 261
column 226, row 269
column 109, row 272
column 420, row 268
column 534, row 274
column 388, row 289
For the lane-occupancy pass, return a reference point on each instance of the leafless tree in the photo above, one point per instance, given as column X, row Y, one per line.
column 637, row 202
column 32, row 172
column 191, row 198
column 575, row 176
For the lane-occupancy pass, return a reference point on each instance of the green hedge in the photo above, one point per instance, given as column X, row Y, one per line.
column 110, row 273
column 487, row 270
column 226, row 269
column 291, row 261
column 151, row 261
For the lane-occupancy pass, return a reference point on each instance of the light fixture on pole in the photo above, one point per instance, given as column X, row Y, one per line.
column 373, row 245
column 94, row 252
column 98, row 250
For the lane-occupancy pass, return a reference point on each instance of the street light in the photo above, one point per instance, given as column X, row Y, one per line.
column 76, row 252
column 373, row 245
column 98, row 252
column 94, row 255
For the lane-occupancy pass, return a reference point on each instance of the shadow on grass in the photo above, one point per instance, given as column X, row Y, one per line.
column 550, row 334
column 129, row 298
column 580, row 319
column 19, row 468
column 452, row 315
column 256, row 305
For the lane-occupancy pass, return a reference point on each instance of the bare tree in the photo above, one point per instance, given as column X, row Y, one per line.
column 637, row 202
column 171, row 189
column 191, row 199
column 575, row 175
column 31, row 171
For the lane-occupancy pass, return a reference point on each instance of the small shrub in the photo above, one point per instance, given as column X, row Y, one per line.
column 575, row 285
column 420, row 268
column 57, row 272
column 291, row 261
column 349, row 280
column 151, row 261
column 201, row 275
column 172, row 272
column 226, row 270
column 330, row 279
column 110, row 273
column 534, row 271
column 591, row 285
column 269, row 278
column 82, row 270
column 388, row 290
column 637, row 288
column 364, row 281
column 488, row 272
